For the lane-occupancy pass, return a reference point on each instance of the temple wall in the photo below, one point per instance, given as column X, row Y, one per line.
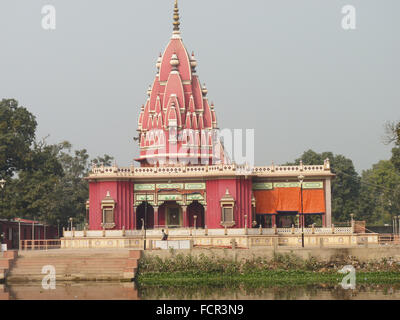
column 124, row 216
column 97, row 192
column 240, row 190
column 122, row 193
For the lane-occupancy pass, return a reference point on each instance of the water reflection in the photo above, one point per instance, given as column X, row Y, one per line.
column 71, row 291
column 130, row 291
column 242, row 292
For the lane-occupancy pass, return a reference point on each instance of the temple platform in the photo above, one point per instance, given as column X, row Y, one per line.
column 219, row 238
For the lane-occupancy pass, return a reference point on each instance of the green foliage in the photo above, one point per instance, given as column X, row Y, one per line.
column 395, row 159
column 380, row 193
column 44, row 182
column 17, row 133
column 31, row 193
column 283, row 269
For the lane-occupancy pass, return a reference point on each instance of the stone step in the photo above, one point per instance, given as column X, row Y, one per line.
column 73, row 266
column 62, row 274
column 59, row 272
column 71, row 259
column 10, row 254
column 5, row 263
column 41, row 263
column 72, row 277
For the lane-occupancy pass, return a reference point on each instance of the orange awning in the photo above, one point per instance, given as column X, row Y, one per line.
column 289, row 199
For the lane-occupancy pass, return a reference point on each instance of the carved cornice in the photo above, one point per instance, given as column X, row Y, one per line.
column 209, row 171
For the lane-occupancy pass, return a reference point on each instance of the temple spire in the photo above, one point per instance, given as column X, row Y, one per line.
column 176, row 22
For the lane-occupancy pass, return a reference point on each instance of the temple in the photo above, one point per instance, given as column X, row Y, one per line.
column 185, row 178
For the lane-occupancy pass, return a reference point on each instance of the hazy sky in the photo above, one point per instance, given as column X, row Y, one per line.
column 286, row 68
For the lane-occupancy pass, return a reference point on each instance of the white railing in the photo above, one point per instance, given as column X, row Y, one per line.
column 345, row 230
column 323, row 230
column 235, row 232
column 216, row 232
column 284, row 230
column 198, row 232
column 133, row 233
column 208, row 170
column 185, row 232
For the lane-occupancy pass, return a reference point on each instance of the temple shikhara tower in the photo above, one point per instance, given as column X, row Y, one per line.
column 177, row 124
column 184, row 178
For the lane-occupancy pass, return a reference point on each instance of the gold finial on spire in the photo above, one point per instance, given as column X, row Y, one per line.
column 176, row 22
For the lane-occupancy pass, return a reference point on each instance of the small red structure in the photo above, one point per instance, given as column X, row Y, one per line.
column 23, row 229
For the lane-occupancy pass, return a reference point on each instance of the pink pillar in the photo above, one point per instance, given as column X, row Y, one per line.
column 205, row 217
column 185, row 217
column 156, row 217
column 324, row 220
column 273, row 220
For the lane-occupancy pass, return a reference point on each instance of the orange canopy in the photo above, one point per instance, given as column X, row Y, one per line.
column 289, row 199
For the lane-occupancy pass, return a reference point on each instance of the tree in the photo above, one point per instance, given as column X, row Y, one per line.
column 73, row 191
column 31, row 193
column 106, row 160
column 17, row 134
column 45, row 182
column 380, row 193
column 395, row 159
column 345, row 185
column 392, row 133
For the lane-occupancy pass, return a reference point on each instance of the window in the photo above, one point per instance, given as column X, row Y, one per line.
column 107, row 206
column 227, row 210
column 227, row 214
column 108, row 215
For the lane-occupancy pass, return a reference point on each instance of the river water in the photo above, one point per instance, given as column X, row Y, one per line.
column 130, row 291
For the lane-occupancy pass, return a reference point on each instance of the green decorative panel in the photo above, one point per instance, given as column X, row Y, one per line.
column 143, row 197
column 262, row 186
column 170, row 186
column 287, row 185
column 144, row 187
column 194, row 197
column 169, row 197
column 138, row 203
column 195, row 186
column 313, row 185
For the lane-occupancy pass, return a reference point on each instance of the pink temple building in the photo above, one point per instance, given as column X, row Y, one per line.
column 184, row 178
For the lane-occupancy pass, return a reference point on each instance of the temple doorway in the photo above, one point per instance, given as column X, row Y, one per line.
column 287, row 219
column 170, row 214
column 265, row 220
column 145, row 215
column 195, row 211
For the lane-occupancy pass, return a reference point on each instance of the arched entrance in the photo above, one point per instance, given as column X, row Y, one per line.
column 146, row 212
column 170, row 214
column 195, row 209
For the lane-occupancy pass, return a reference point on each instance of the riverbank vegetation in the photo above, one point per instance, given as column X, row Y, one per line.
column 282, row 269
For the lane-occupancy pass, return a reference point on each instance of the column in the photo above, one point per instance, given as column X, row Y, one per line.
column 155, row 217
column 134, row 218
column 185, row 217
column 205, row 217
column 328, row 203
column 273, row 220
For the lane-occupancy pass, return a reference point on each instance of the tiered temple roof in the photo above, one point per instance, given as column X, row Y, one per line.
column 177, row 124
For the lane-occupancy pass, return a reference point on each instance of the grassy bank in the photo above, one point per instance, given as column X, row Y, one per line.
column 265, row 278
column 281, row 270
